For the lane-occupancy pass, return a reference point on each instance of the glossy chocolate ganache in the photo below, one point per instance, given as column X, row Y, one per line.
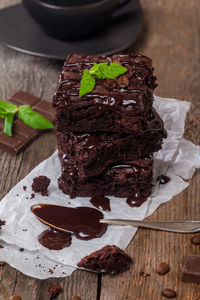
column 82, row 221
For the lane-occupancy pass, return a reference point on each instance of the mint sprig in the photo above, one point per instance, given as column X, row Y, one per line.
column 100, row 71
column 25, row 114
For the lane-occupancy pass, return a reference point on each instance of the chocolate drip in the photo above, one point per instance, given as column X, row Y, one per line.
column 54, row 240
column 82, row 221
column 136, row 200
column 163, row 179
column 101, row 202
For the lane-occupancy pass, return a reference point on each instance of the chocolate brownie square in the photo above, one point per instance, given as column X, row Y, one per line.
column 92, row 153
column 120, row 180
column 115, row 105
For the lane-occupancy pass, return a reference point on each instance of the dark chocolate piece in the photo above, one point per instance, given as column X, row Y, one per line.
column 117, row 105
column 55, row 240
column 109, row 259
column 92, row 153
column 54, row 291
column 24, row 135
column 120, row 180
column 191, row 269
column 40, row 185
column 82, row 221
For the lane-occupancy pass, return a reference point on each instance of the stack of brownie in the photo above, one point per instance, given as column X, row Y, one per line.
column 106, row 139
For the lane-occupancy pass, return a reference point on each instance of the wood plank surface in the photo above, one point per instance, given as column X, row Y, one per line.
column 171, row 36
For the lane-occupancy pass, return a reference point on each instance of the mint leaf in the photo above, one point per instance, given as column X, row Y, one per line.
column 87, row 83
column 110, row 71
column 100, row 71
column 32, row 118
column 7, row 107
column 8, row 123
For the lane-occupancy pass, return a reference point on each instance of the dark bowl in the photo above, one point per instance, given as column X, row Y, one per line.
column 70, row 22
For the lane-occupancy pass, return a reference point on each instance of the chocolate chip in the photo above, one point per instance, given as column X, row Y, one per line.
column 168, row 293
column 123, row 81
column 75, row 298
column 162, row 268
column 54, row 291
column 15, row 297
column 2, row 263
column 195, row 240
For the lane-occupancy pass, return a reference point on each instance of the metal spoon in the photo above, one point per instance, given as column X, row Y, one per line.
column 182, row 227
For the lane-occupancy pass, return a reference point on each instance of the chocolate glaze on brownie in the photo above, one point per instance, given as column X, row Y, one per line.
column 91, row 153
column 109, row 259
column 115, row 105
column 120, row 180
column 24, row 135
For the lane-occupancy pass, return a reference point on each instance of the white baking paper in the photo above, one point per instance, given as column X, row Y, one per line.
column 177, row 159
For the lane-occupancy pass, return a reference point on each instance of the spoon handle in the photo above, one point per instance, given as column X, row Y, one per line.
column 183, row 227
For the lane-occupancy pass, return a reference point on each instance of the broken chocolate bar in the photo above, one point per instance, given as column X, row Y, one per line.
column 191, row 269
column 24, row 135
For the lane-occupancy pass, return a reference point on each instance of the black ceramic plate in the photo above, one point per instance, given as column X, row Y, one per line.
column 20, row 32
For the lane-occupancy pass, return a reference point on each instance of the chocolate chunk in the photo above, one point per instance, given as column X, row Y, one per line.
column 75, row 298
column 24, row 135
column 162, row 268
column 191, row 269
column 40, row 185
column 54, row 291
column 2, row 263
column 168, row 293
column 195, row 240
column 15, row 297
column 109, row 259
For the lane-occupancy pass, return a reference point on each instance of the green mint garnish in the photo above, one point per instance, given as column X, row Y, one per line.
column 100, row 71
column 25, row 114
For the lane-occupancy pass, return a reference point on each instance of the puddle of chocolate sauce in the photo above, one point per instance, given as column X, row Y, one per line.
column 82, row 221
column 135, row 200
column 163, row 179
column 101, row 202
column 55, row 240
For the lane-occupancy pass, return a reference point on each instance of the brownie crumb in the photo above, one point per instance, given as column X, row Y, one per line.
column 24, row 187
column 2, row 223
column 32, row 196
column 17, row 195
column 1, row 247
column 2, row 263
column 15, row 297
column 162, row 268
column 40, row 185
column 24, row 229
column 21, row 249
column 109, row 259
column 169, row 293
column 75, row 297
column 144, row 274
column 50, row 271
column 54, row 291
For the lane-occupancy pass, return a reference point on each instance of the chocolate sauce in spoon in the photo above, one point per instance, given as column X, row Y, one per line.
column 101, row 202
column 82, row 221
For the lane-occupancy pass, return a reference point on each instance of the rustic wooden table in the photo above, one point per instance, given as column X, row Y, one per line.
column 171, row 36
